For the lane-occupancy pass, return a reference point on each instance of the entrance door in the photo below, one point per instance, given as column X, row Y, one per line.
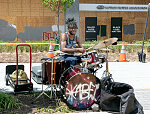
column 116, row 27
column 90, row 28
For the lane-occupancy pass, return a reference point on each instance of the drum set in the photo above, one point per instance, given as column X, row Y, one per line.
column 78, row 84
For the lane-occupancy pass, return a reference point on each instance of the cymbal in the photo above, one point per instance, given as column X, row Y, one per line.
column 105, row 43
column 107, row 49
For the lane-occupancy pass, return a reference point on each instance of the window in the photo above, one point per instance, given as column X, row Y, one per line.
column 103, row 30
column 98, row 29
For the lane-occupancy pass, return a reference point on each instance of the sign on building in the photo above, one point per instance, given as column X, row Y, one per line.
column 116, row 27
column 90, row 28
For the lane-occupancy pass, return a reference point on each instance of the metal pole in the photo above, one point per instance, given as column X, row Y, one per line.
column 145, row 26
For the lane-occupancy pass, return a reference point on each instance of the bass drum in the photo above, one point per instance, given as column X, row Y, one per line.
column 81, row 89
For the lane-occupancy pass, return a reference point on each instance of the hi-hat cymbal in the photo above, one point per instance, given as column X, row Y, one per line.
column 105, row 43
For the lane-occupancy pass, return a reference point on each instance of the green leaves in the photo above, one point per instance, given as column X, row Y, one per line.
column 63, row 108
column 52, row 4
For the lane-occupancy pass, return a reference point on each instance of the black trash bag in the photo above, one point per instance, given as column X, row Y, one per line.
column 119, row 99
column 142, row 57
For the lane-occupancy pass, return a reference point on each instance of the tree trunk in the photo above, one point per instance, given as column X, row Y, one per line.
column 58, row 18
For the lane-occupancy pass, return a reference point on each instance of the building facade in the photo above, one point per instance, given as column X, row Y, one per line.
column 26, row 20
column 97, row 20
column 124, row 19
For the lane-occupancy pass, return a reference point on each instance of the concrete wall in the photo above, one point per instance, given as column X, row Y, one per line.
column 73, row 11
column 7, row 31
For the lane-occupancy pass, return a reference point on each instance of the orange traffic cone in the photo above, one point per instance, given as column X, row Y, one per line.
column 122, row 56
column 50, row 52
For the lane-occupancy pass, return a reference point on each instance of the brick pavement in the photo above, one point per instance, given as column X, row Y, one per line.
column 143, row 96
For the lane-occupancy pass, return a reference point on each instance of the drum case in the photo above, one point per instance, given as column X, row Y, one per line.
column 37, row 74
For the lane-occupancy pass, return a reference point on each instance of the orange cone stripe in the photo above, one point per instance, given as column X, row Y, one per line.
column 51, row 49
column 122, row 56
column 50, row 52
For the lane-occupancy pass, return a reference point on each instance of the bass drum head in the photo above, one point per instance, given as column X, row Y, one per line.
column 82, row 90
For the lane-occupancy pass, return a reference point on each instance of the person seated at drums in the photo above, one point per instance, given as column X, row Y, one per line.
column 70, row 43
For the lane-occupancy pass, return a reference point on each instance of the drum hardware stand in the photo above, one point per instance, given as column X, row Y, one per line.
column 107, row 70
column 106, row 76
column 91, row 69
column 41, row 94
column 52, row 85
column 107, row 50
column 85, row 60
column 52, row 88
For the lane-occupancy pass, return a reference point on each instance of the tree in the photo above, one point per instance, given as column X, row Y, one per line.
column 58, row 6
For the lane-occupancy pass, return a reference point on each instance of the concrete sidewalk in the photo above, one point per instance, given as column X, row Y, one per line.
column 135, row 74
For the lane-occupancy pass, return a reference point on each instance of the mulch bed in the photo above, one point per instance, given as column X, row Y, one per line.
column 29, row 107
column 36, row 57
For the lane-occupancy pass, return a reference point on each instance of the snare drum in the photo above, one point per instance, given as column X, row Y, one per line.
column 81, row 89
column 58, row 68
column 93, row 58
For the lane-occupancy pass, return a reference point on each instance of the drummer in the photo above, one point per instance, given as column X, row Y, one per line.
column 70, row 43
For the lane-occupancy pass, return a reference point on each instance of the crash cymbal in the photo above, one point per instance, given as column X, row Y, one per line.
column 107, row 49
column 105, row 43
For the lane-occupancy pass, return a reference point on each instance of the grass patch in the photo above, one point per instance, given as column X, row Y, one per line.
column 45, row 47
column 8, row 102
column 62, row 108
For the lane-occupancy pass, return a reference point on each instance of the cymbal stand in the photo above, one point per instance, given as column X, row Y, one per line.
column 106, row 76
column 107, row 70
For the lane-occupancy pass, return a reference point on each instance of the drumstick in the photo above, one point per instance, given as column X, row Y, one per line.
column 76, row 54
column 89, row 48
